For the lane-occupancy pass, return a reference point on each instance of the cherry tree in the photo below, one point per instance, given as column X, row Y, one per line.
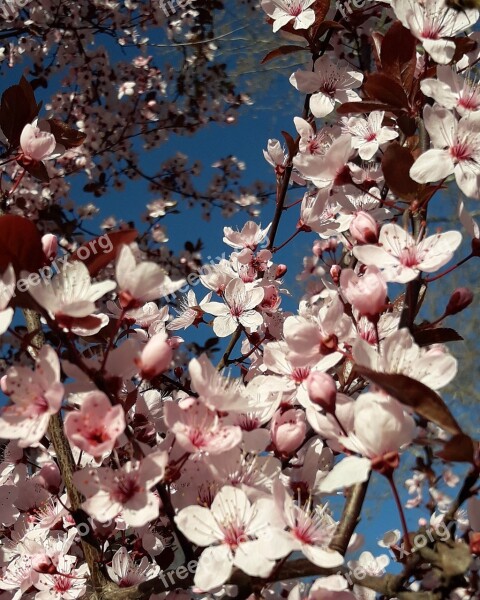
column 139, row 464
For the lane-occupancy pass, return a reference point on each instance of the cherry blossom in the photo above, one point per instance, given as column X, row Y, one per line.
column 456, row 150
column 198, row 429
column 284, row 11
column 451, row 90
column 328, row 83
column 236, row 532
column 123, row 492
column 401, row 258
column 238, row 309
column 35, row 396
column 126, row 573
column 368, row 135
column 38, row 144
column 250, row 237
column 96, row 426
column 432, row 22
column 7, row 288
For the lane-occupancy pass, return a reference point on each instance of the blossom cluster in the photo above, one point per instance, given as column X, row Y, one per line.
column 167, row 456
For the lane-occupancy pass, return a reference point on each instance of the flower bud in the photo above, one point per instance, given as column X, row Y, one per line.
column 368, row 293
column 335, row 271
column 280, row 272
column 288, row 430
column 50, row 246
column 364, row 228
column 322, row 390
column 459, row 300
column 156, row 356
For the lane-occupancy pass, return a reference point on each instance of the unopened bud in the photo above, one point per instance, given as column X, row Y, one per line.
column 459, row 300
column 156, row 357
column 335, row 271
column 280, row 272
column 178, row 372
column 364, row 228
column 50, row 246
column 322, row 390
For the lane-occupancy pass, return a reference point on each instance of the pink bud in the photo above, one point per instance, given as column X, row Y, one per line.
column 364, row 228
column 50, row 246
column 459, row 300
column 3, row 385
column 156, row 356
column 36, row 145
column 288, row 430
column 335, row 271
column 50, row 478
column 367, row 294
column 280, row 272
column 322, row 390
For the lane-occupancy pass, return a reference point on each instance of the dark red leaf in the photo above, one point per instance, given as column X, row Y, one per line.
column 65, row 135
column 356, row 108
column 399, row 56
column 396, row 163
column 441, row 335
column 36, row 169
column 423, row 400
column 461, row 448
column 282, row 51
column 385, row 89
column 99, row 252
column 17, row 108
column 20, row 244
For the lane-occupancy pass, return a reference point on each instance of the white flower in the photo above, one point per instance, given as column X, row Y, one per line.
column 456, row 150
column 238, row 309
column 238, row 534
column 328, row 83
column 401, row 257
column 284, row 11
column 368, row 134
column 7, row 288
column 451, row 90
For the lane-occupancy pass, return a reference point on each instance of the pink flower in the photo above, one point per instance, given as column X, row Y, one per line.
column 310, row 530
column 38, row 144
column 190, row 313
column 401, row 257
column 288, row 429
column 250, row 237
column 238, row 309
column 238, row 534
column 322, row 390
column 35, row 395
column 284, row 11
column 364, row 228
column 456, row 150
column 7, row 289
column 126, row 573
column 328, row 83
column 123, row 492
column 368, row 135
column 198, row 429
column 394, row 429
column 139, row 283
column 96, row 426
column 451, row 90
column 367, row 293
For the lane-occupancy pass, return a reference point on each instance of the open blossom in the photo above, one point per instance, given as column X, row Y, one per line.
column 68, row 583
column 368, row 134
column 250, row 237
column 309, row 530
column 123, row 492
column 37, row 143
column 190, row 313
column 7, row 288
column 434, row 367
column 70, row 297
column 432, row 22
column 328, row 83
column 139, row 283
column 401, row 258
column 451, row 90
column 35, row 396
column 198, row 429
column 96, row 426
column 237, row 533
column 239, row 306
column 284, row 11
column 394, row 429
column 456, row 150
column 126, row 573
